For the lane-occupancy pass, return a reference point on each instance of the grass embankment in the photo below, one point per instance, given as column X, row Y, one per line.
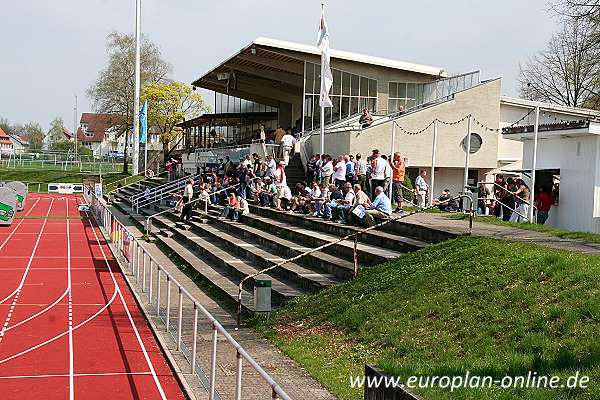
column 43, row 177
column 472, row 304
column 561, row 233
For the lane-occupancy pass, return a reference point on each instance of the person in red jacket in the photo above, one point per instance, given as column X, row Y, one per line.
column 544, row 202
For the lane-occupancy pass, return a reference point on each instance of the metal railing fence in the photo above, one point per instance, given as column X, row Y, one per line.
column 158, row 288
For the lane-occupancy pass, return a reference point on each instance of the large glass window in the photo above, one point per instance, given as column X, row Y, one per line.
column 349, row 94
column 406, row 94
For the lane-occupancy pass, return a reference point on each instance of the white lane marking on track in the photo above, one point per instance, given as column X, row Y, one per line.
column 65, row 375
column 9, row 315
column 6, row 329
column 69, row 288
column 37, row 242
column 137, row 334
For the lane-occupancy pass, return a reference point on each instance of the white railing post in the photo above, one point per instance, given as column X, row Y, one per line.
column 238, row 377
column 179, row 317
column 195, row 339
column 158, row 292
column 168, row 303
column 150, row 284
column 144, row 273
column 213, row 364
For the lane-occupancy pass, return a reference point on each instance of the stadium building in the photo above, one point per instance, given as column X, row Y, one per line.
column 276, row 83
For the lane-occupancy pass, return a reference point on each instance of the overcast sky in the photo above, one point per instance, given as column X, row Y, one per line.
column 52, row 50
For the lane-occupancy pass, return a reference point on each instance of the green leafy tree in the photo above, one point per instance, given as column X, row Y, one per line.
column 56, row 133
column 168, row 105
column 35, row 135
column 113, row 91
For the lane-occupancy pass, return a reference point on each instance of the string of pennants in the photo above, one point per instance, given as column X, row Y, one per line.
column 461, row 120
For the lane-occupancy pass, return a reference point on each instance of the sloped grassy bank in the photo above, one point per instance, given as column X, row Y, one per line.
column 485, row 306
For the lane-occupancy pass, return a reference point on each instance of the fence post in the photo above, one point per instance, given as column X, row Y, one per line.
column 213, row 364
column 238, row 377
column 355, row 255
column 179, row 317
column 195, row 338
column 168, row 303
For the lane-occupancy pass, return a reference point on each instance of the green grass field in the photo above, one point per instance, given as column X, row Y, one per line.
column 39, row 179
column 561, row 233
column 473, row 304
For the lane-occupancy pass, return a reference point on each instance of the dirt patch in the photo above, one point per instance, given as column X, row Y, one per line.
column 298, row 329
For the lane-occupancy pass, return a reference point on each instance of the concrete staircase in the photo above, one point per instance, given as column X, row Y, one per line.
column 224, row 252
column 294, row 171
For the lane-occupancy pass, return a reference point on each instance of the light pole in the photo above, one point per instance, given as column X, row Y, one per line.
column 136, row 105
column 75, row 126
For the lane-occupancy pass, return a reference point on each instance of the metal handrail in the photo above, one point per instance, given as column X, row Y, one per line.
column 355, row 235
column 136, row 196
column 148, row 219
column 514, row 210
column 128, row 177
column 117, row 232
column 145, row 199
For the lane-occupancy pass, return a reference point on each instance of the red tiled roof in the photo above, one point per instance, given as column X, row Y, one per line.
column 97, row 125
column 4, row 138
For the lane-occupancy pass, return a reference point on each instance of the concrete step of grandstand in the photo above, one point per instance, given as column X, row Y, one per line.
column 280, row 231
column 215, row 275
column 204, row 248
column 294, row 171
column 267, row 249
column 412, row 238
column 313, row 274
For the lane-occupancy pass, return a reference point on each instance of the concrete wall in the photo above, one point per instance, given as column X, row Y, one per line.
column 482, row 101
column 577, row 159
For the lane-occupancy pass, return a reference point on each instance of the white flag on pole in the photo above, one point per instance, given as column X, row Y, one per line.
column 326, row 76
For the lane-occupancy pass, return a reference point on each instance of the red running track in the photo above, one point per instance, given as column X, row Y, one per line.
column 69, row 325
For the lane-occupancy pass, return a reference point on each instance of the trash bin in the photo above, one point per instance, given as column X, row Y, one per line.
column 262, row 295
column 473, row 192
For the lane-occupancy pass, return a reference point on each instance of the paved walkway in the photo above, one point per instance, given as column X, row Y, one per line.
column 293, row 379
column 460, row 227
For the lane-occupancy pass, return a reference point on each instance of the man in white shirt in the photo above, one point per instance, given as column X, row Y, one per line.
column 270, row 166
column 344, row 205
column 287, row 142
column 188, row 194
column 326, row 170
column 378, row 166
column 421, row 188
column 360, row 172
column 339, row 172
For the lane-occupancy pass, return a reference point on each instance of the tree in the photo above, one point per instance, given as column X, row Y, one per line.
column 35, row 135
column 6, row 126
column 113, row 91
column 566, row 72
column 56, row 134
column 168, row 105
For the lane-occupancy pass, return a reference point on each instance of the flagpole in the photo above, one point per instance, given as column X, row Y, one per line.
column 136, row 101
column 321, row 100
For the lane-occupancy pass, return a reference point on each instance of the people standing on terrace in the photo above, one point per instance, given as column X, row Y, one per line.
column 365, row 119
column 280, row 183
column 544, row 202
column 188, row 194
column 421, row 189
column 349, row 168
column 399, row 171
column 326, row 169
column 270, row 166
column 339, row 172
column 287, row 143
column 311, row 169
column 360, row 172
column 521, row 196
column 378, row 166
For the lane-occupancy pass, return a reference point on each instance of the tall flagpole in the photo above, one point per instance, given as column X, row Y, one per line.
column 322, row 107
column 534, row 165
column 136, row 101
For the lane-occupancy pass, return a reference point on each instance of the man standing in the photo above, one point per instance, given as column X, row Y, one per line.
column 339, row 172
column 399, row 169
column 421, row 188
column 188, row 194
column 326, row 170
column 270, row 166
column 287, row 143
column 378, row 165
column 279, row 133
column 349, row 169
column 360, row 171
